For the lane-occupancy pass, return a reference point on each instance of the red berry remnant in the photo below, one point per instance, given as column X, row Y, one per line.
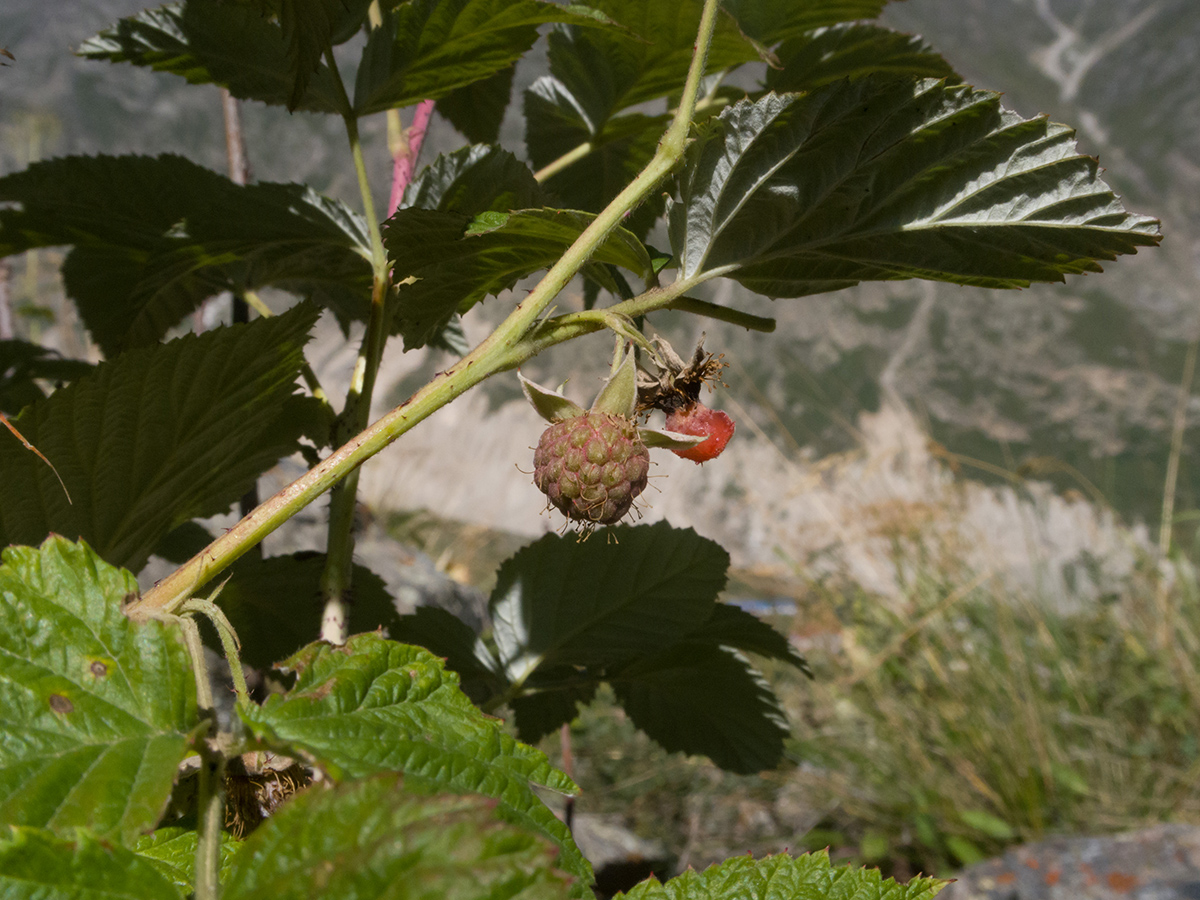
column 592, row 467
column 699, row 419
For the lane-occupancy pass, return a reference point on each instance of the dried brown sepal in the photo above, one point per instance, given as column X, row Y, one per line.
column 677, row 384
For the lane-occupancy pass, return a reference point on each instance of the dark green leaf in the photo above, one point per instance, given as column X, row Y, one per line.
column 376, row 706
column 772, row 21
column 230, row 44
column 426, row 49
column 172, row 851
column 706, row 699
column 826, row 55
column 561, row 602
column 879, row 178
column 374, row 838
column 472, row 180
column 477, row 109
column 309, row 28
column 444, row 634
column 156, row 437
column 552, row 705
column 275, row 604
column 184, row 542
column 35, row 865
column 155, row 236
column 611, row 69
column 556, row 124
column 21, row 363
column 94, row 710
column 731, row 626
column 810, row 876
column 458, row 259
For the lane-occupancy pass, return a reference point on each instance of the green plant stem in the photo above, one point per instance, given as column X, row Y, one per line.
column 210, row 802
column 229, row 640
column 339, row 550
column 507, row 347
column 567, row 159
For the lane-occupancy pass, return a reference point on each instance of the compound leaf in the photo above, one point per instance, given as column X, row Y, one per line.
column 701, row 698
column 94, row 710
column 376, row 706
column 458, row 259
column 731, row 626
column 234, row 45
column 156, row 437
column 879, row 179
column 375, row 838
column 155, row 236
column 473, row 180
column 477, row 109
column 36, row 865
column 810, row 876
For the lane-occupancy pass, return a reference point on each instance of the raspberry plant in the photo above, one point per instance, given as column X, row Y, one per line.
column 860, row 156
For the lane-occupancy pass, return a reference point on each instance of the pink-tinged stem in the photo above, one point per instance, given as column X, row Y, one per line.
column 406, row 160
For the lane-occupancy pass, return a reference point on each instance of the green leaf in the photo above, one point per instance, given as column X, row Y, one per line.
column 810, row 876
column 826, row 55
column 731, row 626
column 556, row 123
column 375, row 706
column 172, row 851
column 444, row 634
column 880, row 179
column 458, row 259
column 561, row 602
column 555, row 702
column 275, row 604
column 309, row 28
column 985, row 822
column 374, row 838
column 156, row 437
column 35, row 865
column 706, row 699
column 155, row 236
column 94, row 710
column 477, row 109
column 426, row 49
column 230, row 44
column 772, row 21
column 23, row 363
column 473, row 180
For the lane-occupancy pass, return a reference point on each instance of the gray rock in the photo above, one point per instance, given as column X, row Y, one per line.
column 1157, row 863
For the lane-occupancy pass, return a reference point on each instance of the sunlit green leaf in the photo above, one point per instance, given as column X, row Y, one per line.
column 374, row 838
column 879, row 178
column 810, row 876
column 35, row 865
column 444, row 634
column 172, row 851
column 94, row 710
column 376, row 706
column 156, row 437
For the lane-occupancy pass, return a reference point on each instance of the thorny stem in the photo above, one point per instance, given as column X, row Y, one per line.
column 507, row 347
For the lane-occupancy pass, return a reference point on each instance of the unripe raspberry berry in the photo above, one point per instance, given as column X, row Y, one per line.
column 592, row 466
